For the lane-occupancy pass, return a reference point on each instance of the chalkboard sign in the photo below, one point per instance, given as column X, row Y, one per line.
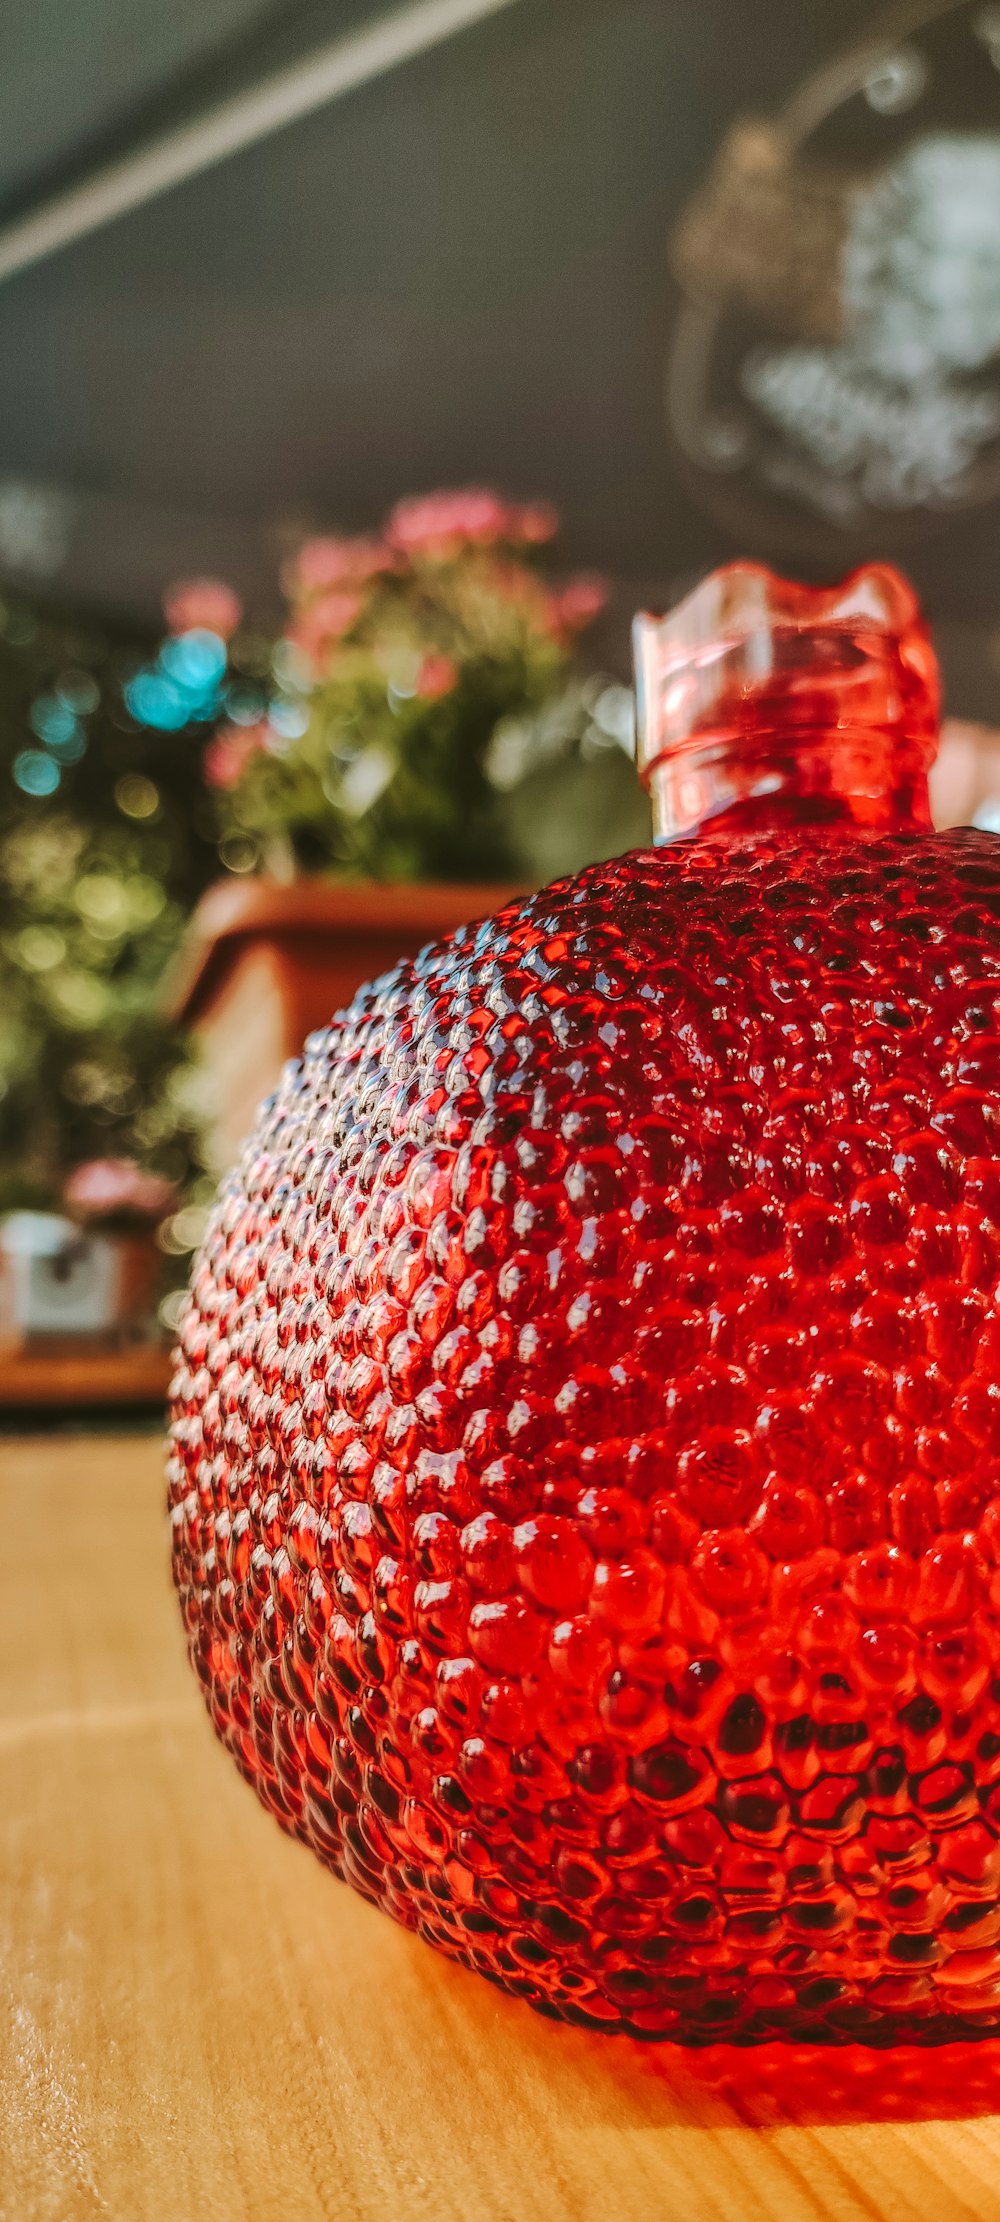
column 834, row 372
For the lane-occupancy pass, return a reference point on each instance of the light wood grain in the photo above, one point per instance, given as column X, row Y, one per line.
column 204, row 2024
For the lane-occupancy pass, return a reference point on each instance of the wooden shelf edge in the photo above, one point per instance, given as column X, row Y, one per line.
column 66, row 1376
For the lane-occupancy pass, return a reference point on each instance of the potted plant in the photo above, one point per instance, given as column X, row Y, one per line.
column 361, row 775
column 92, row 1271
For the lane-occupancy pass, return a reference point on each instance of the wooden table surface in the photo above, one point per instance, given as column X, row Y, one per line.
column 205, row 2027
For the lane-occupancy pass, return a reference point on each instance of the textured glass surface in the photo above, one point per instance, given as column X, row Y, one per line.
column 586, row 1443
column 762, row 702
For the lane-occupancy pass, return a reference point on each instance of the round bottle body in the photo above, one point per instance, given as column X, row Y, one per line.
column 585, row 1456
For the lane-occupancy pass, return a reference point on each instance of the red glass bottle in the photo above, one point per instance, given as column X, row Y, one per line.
column 585, row 1456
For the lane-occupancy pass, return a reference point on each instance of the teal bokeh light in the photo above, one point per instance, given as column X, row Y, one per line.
column 35, row 772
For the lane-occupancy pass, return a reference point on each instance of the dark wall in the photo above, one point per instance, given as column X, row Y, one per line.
column 460, row 273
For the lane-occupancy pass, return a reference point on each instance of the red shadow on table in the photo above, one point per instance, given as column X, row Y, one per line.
column 763, row 2086
column 816, row 2084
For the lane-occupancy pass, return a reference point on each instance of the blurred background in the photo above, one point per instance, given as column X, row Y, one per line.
column 362, row 369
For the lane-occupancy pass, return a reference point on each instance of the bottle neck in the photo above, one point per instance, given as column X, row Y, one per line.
column 763, row 705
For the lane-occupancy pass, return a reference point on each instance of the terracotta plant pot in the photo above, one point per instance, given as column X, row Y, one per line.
column 265, row 964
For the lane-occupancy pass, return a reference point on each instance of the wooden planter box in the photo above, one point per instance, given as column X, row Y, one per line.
column 266, row 964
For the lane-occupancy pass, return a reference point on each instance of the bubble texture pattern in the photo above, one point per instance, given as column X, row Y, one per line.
column 585, row 1460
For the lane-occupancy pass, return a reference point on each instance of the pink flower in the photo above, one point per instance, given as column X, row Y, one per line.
column 332, row 562
column 116, row 1187
column 207, row 603
column 580, row 602
column 439, row 525
column 536, row 522
column 522, row 588
column 227, row 756
column 324, row 620
column 437, row 676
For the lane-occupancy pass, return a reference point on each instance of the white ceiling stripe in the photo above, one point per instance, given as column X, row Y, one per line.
column 326, row 75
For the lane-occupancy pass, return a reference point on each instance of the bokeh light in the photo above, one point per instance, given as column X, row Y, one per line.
column 195, row 660
column 39, row 948
column 184, row 686
column 35, row 772
column 183, row 1231
column 172, row 1308
column 244, row 705
column 154, row 700
column 53, row 721
column 238, row 853
column 290, row 719
column 79, row 690
column 136, row 796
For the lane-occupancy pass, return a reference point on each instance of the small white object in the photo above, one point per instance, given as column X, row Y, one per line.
column 55, row 1279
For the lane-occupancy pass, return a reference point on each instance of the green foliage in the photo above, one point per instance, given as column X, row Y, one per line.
column 96, row 877
column 418, row 716
column 400, row 659
column 565, row 780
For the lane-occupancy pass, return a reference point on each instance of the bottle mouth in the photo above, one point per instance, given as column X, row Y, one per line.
column 793, row 688
column 740, row 598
